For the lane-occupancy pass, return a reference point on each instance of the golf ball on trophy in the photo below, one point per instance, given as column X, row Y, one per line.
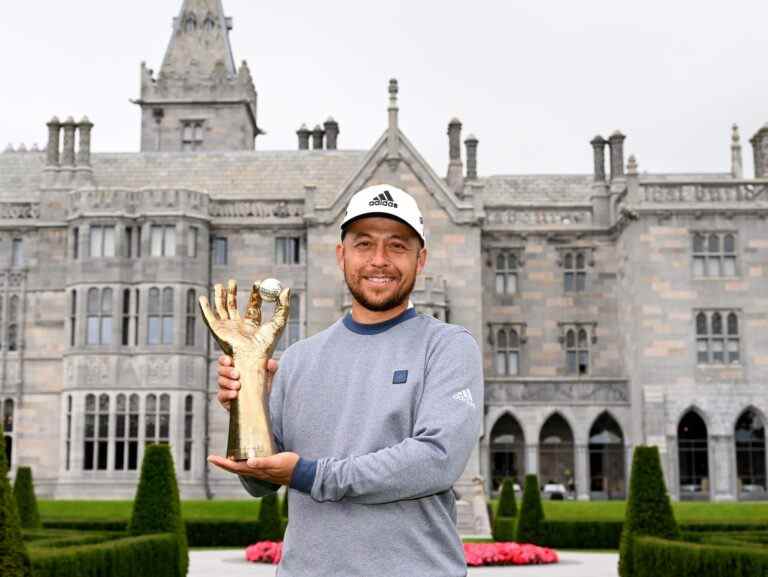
column 269, row 289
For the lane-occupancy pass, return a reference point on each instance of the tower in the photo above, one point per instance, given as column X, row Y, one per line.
column 199, row 100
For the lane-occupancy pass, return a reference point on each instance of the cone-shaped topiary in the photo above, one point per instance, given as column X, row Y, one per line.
column 270, row 525
column 284, row 504
column 530, row 526
column 649, row 511
column 14, row 561
column 26, row 503
column 507, row 502
column 156, row 508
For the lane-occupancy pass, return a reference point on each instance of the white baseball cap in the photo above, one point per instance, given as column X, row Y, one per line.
column 385, row 200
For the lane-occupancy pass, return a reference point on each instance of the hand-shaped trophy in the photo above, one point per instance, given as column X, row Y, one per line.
column 250, row 344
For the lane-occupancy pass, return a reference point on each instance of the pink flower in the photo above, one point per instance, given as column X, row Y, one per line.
column 507, row 553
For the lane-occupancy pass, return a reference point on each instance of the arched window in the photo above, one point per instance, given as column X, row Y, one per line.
column 574, row 271
column 188, row 423
column 717, row 337
column 507, row 451
column 556, row 454
column 191, row 316
column 507, row 351
column 13, row 326
column 157, row 419
column 750, row 456
column 69, row 434
column 577, row 351
column 507, row 265
column 190, row 23
column 714, row 255
column 693, row 456
column 606, row 459
column 150, row 420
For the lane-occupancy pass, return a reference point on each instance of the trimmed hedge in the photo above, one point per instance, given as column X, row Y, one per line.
column 157, row 508
column 270, row 523
column 157, row 555
column 530, row 523
column 52, row 538
column 26, row 503
column 507, row 502
column 654, row 557
column 649, row 511
column 14, row 561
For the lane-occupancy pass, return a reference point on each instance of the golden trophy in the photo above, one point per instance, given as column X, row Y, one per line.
column 250, row 344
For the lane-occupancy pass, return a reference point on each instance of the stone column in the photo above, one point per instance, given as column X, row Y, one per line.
column 471, row 143
column 84, row 151
column 720, row 465
column 393, row 145
column 317, row 137
column 331, row 133
column 581, row 474
column 616, row 143
column 303, row 134
column 54, row 133
column 598, row 151
column 532, row 460
column 68, row 152
column 737, row 167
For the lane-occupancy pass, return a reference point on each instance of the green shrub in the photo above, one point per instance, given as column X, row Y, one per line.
column 157, row 555
column 156, row 508
column 655, row 557
column 530, row 521
column 581, row 534
column 53, row 538
column 270, row 525
column 507, row 502
column 24, row 492
column 504, row 528
column 14, row 561
column 649, row 511
column 222, row 532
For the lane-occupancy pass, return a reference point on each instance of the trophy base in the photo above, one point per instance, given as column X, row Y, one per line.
column 245, row 453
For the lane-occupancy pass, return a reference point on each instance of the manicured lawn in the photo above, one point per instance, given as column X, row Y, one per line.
column 110, row 510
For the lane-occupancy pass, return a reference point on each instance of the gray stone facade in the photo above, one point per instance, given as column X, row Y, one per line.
column 584, row 291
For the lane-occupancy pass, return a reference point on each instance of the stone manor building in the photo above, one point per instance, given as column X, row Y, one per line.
column 614, row 308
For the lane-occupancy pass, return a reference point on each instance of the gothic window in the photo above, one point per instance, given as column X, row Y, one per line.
column 750, row 455
column 576, row 338
column 72, row 318
column 574, row 271
column 190, row 23
column 557, row 454
column 693, row 456
column 714, row 254
column 8, row 407
column 163, row 240
column 102, row 241
column 507, row 451
column 292, row 332
column 209, row 23
column 96, row 434
column 17, row 253
column 75, row 243
column 717, row 337
column 507, row 268
column 126, row 318
column 220, row 256
column 68, row 446
column 191, row 135
column 99, row 311
column 157, row 420
column 188, row 422
column 126, row 441
column 191, row 316
column 160, row 317
column 507, row 342
column 192, row 242
column 136, row 317
column 287, row 250
column 606, row 459
column 13, row 323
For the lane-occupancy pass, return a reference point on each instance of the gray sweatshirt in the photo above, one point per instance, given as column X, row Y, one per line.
column 384, row 418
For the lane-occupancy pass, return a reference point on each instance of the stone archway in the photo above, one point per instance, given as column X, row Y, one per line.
column 606, row 459
column 556, row 454
column 507, row 451
column 693, row 456
column 749, row 437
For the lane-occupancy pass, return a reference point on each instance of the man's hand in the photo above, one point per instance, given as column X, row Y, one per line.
column 276, row 469
column 229, row 379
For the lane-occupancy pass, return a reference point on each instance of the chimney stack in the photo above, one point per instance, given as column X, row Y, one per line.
column 598, row 149
column 52, row 150
column 303, row 134
column 455, row 176
column 317, row 137
column 84, row 140
column 737, row 167
column 616, row 143
column 760, row 148
column 331, row 133
column 471, row 144
column 68, row 152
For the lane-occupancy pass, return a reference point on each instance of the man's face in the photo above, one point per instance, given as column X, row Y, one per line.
column 380, row 258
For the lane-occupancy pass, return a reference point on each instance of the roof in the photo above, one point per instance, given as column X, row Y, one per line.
column 537, row 188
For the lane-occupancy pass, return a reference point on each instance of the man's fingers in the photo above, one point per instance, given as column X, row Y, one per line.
column 272, row 366
column 229, row 373
column 234, row 314
column 224, row 359
column 225, row 383
column 208, row 315
column 219, row 301
column 253, row 311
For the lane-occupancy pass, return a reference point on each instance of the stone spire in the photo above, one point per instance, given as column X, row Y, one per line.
column 199, row 46
column 737, row 167
column 393, row 138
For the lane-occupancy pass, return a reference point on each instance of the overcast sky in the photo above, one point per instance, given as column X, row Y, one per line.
column 533, row 80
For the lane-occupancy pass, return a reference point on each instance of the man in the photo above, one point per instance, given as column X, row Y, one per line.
column 376, row 416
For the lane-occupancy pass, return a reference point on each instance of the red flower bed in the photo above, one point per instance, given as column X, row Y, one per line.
column 476, row 553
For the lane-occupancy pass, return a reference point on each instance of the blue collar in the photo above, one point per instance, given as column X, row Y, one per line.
column 376, row 328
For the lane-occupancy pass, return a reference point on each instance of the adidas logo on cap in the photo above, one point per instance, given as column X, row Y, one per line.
column 383, row 199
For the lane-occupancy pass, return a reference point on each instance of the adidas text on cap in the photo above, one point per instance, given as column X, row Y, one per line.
column 388, row 201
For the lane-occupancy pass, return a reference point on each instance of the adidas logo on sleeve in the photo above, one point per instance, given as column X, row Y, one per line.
column 383, row 199
column 465, row 396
